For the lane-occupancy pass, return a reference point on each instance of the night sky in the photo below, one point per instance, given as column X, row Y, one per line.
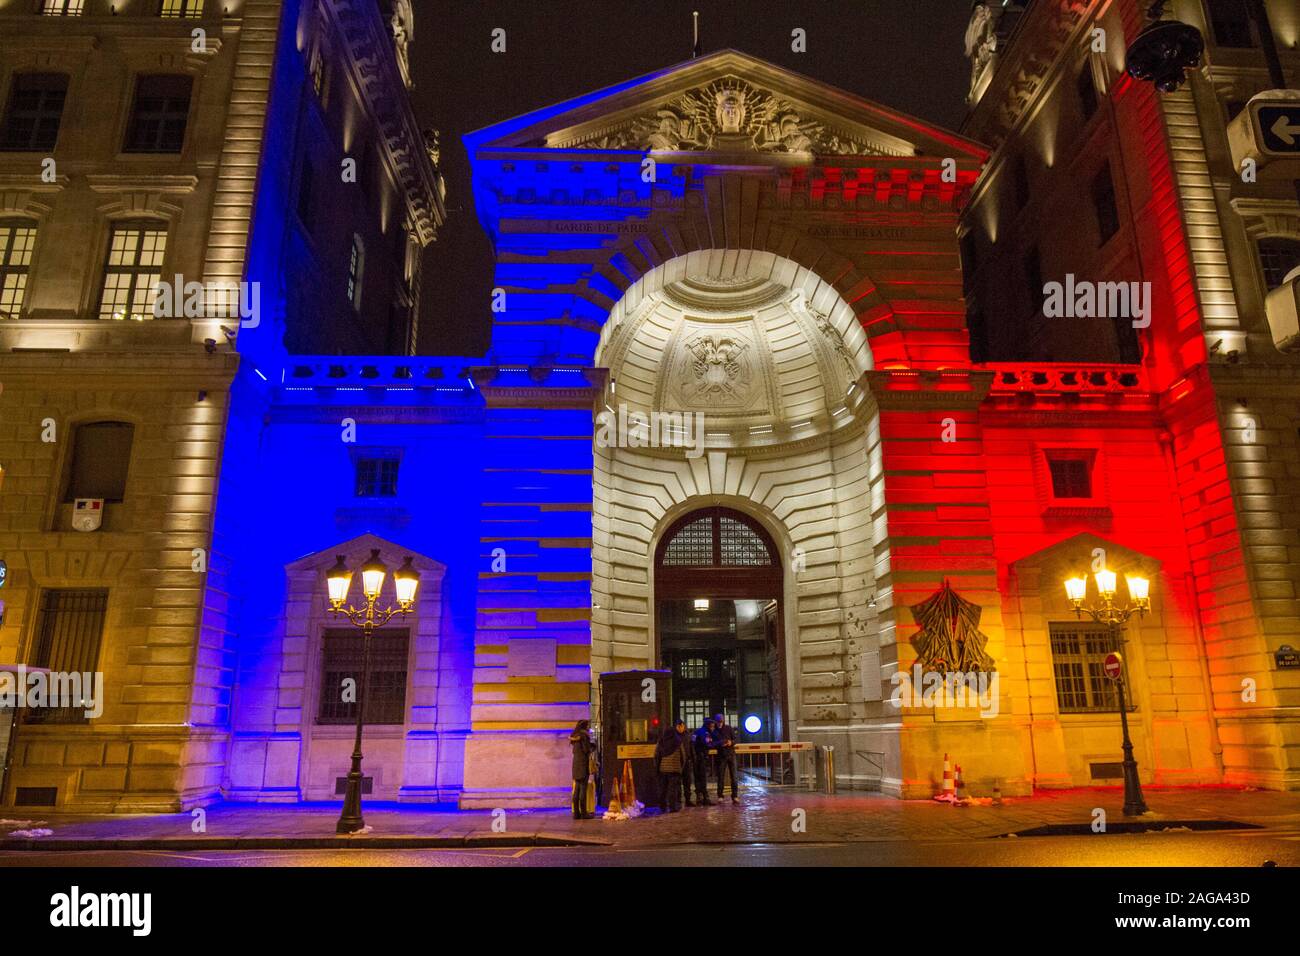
column 906, row 54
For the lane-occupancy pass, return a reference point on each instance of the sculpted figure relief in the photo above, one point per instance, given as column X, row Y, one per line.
column 728, row 114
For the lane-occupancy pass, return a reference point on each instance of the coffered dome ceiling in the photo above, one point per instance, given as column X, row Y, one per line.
column 759, row 344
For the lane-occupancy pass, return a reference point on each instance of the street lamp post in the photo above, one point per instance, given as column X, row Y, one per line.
column 1114, row 616
column 405, row 581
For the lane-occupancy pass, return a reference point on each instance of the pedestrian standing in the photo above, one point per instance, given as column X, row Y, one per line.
column 583, row 749
column 669, row 761
column 725, row 736
column 701, row 745
column 688, row 761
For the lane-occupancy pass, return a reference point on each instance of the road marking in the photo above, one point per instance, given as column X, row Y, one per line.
column 516, row 856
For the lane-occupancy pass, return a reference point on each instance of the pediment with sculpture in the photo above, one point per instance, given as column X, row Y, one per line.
column 730, row 114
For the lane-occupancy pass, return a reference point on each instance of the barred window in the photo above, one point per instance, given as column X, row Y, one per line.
column 1078, row 654
column 716, row 539
column 342, row 660
column 16, row 242
column 693, row 710
column 159, row 114
column 693, row 668
column 62, row 8
column 692, row 545
column 741, row 545
column 133, row 269
column 377, row 477
column 69, row 631
column 1071, row 477
column 186, row 9
column 34, row 112
column 1277, row 257
column 101, row 458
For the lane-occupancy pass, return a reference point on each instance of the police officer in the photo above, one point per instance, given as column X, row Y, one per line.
column 724, row 738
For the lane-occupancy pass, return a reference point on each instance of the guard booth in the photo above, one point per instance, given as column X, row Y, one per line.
column 630, row 725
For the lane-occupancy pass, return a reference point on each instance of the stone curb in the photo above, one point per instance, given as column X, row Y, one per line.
column 295, row 843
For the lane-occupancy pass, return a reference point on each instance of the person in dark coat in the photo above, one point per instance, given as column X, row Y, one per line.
column 583, row 746
column 669, row 761
column 688, row 761
column 724, row 736
column 702, row 744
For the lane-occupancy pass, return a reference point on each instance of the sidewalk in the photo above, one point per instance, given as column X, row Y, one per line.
column 761, row 817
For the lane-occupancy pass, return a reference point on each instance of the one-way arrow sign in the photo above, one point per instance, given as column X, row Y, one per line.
column 1279, row 128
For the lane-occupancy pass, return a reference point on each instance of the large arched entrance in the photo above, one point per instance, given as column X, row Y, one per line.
column 717, row 594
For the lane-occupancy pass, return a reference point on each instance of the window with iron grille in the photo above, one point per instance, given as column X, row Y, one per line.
column 69, row 631
column 693, row 668
column 1071, row 477
column 1078, row 661
column 1103, row 204
column 692, row 545
column 184, row 9
column 377, row 477
column 62, row 8
column 693, row 710
column 101, row 457
column 1231, row 23
column 133, row 269
column 342, row 660
column 34, row 112
column 741, row 545
column 16, row 242
column 159, row 114
column 1277, row 257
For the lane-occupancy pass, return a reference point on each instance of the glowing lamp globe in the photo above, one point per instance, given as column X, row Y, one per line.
column 753, row 724
column 373, row 573
column 1139, row 589
column 339, row 579
column 1076, row 589
column 406, row 579
column 1105, row 584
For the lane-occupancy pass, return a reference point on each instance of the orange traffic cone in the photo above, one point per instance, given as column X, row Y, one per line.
column 629, row 784
column 615, row 804
column 962, row 796
column 997, row 795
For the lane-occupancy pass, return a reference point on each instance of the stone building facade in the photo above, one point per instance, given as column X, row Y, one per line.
column 1214, row 397
column 142, row 142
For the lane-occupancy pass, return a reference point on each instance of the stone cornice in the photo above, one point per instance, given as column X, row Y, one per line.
column 1023, row 67
column 372, row 63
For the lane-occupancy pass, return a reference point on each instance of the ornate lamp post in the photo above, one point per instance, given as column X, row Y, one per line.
column 1114, row 616
column 405, row 581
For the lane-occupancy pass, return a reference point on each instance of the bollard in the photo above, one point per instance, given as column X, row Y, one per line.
column 830, row 769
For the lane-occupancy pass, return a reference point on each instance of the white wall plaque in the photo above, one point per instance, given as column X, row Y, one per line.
column 531, row 657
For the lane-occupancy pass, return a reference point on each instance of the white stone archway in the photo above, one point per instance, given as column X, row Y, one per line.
column 789, row 442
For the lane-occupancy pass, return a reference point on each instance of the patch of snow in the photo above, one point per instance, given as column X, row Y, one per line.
column 38, row 832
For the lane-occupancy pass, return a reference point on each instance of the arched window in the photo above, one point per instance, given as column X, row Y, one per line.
column 356, row 272
column 1278, row 256
column 717, row 538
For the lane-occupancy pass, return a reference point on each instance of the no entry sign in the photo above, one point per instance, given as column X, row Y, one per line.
column 1114, row 665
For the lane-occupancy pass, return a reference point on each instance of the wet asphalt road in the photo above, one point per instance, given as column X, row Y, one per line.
column 1244, row 849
